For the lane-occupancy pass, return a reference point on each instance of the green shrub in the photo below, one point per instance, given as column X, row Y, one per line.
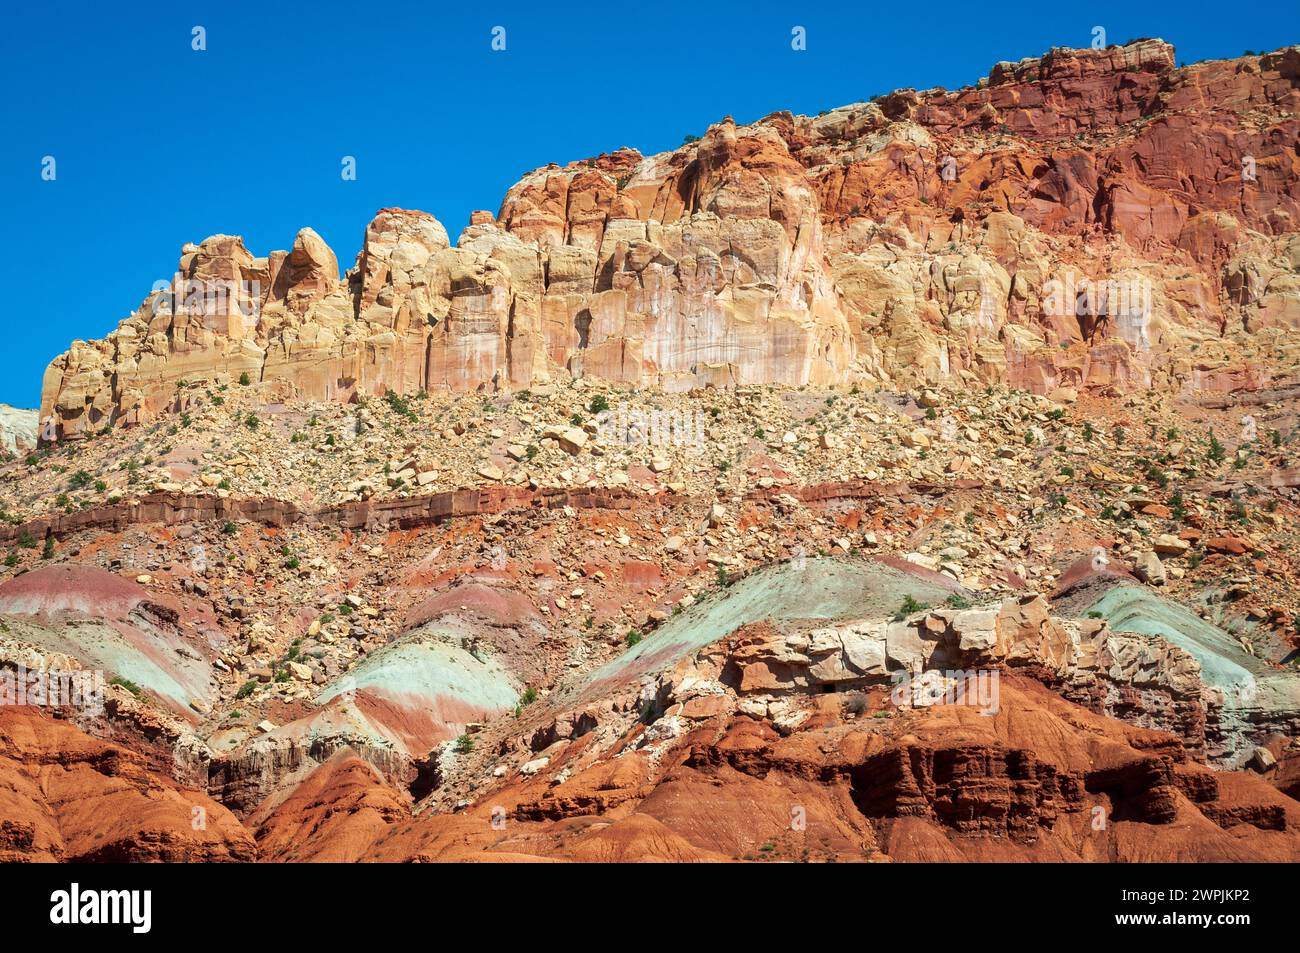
column 129, row 685
column 908, row 607
column 399, row 405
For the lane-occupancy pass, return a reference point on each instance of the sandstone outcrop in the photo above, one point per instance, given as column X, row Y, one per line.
column 18, row 429
column 1087, row 219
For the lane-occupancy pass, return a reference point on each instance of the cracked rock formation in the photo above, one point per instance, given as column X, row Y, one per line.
column 1087, row 219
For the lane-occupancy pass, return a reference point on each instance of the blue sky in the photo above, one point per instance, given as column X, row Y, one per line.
column 157, row 144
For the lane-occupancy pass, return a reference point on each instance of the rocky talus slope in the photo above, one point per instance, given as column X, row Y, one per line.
column 747, row 502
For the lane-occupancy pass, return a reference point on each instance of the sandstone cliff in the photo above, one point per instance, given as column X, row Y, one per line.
column 17, row 429
column 1090, row 218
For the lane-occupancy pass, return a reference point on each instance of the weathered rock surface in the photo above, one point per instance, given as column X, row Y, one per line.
column 67, row 796
column 945, row 784
column 18, row 429
column 1089, row 219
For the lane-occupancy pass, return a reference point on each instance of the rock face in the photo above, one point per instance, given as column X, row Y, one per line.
column 1093, row 218
column 17, row 429
column 107, row 622
column 708, row 784
column 464, row 680
column 67, row 796
column 1140, row 679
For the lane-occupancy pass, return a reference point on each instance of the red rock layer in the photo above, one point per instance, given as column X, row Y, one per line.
column 1041, row 780
column 65, row 796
